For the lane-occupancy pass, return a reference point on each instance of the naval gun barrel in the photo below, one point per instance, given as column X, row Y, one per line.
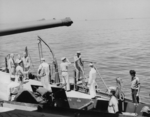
column 32, row 26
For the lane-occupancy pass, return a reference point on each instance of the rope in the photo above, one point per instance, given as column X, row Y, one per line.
column 101, row 77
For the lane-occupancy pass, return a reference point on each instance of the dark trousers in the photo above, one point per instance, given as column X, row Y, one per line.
column 134, row 97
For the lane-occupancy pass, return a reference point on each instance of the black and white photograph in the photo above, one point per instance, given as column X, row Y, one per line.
column 74, row 58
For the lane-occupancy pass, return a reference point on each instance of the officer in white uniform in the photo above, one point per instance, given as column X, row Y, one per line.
column 91, row 81
column 43, row 73
column 64, row 69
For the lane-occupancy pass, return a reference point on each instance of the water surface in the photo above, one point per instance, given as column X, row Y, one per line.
column 116, row 45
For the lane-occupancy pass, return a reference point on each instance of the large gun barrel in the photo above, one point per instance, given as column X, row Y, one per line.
column 32, row 26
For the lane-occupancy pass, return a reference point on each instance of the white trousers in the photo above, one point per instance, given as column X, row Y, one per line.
column 92, row 90
column 65, row 78
column 45, row 82
column 12, row 72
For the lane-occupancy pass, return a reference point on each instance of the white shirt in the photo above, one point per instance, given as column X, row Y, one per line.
column 11, row 63
column 19, row 71
column 26, row 61
column 76, row 58
column 135, row 83
column 92, row 76
column 44, row 67
column 113, row 105
column 64, row 66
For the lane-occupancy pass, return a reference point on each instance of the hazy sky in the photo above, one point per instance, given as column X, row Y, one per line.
column 27, row 10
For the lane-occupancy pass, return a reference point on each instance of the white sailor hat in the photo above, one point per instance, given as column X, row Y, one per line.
column 42, row 59
column 63, row 58
column 118, row 79
column 91, row 65
column 145, row 109
column 78, row 51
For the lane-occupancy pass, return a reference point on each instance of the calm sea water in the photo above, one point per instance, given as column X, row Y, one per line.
column 116, row 45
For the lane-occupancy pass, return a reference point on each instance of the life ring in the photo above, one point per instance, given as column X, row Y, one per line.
column 121, row 96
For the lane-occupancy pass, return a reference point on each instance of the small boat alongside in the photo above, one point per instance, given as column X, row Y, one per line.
column 32, row 96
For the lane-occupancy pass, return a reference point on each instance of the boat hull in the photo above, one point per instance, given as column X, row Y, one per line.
column 62, row 112
column 73, row 101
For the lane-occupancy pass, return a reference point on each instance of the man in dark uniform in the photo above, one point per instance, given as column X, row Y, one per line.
column 78, row 64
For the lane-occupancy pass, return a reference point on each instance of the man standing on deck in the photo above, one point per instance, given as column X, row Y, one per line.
column 43, row 73
column 26, row 64
column 64, row 70
column 78, row 63
column 135, row 85
column 19, row 71
column 11, row 67
column 113, row 103
column 118, row 93
column 91, row 81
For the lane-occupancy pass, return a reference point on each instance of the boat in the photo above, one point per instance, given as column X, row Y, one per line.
column 34, row 100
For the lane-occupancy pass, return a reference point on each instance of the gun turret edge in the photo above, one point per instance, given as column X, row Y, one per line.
column 6, row 29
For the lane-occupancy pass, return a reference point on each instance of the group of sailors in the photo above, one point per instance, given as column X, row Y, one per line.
column 79, row 73
column 19, row 72
column 20, row 69
column 91, row 83
column 116, row 94
column 20, row 66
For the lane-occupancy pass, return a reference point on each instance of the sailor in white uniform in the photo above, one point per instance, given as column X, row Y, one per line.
column 19, row 71
column 11, row 66
column 43, row 73
column 64, row 69
column 113, row 103
column 91, row 81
